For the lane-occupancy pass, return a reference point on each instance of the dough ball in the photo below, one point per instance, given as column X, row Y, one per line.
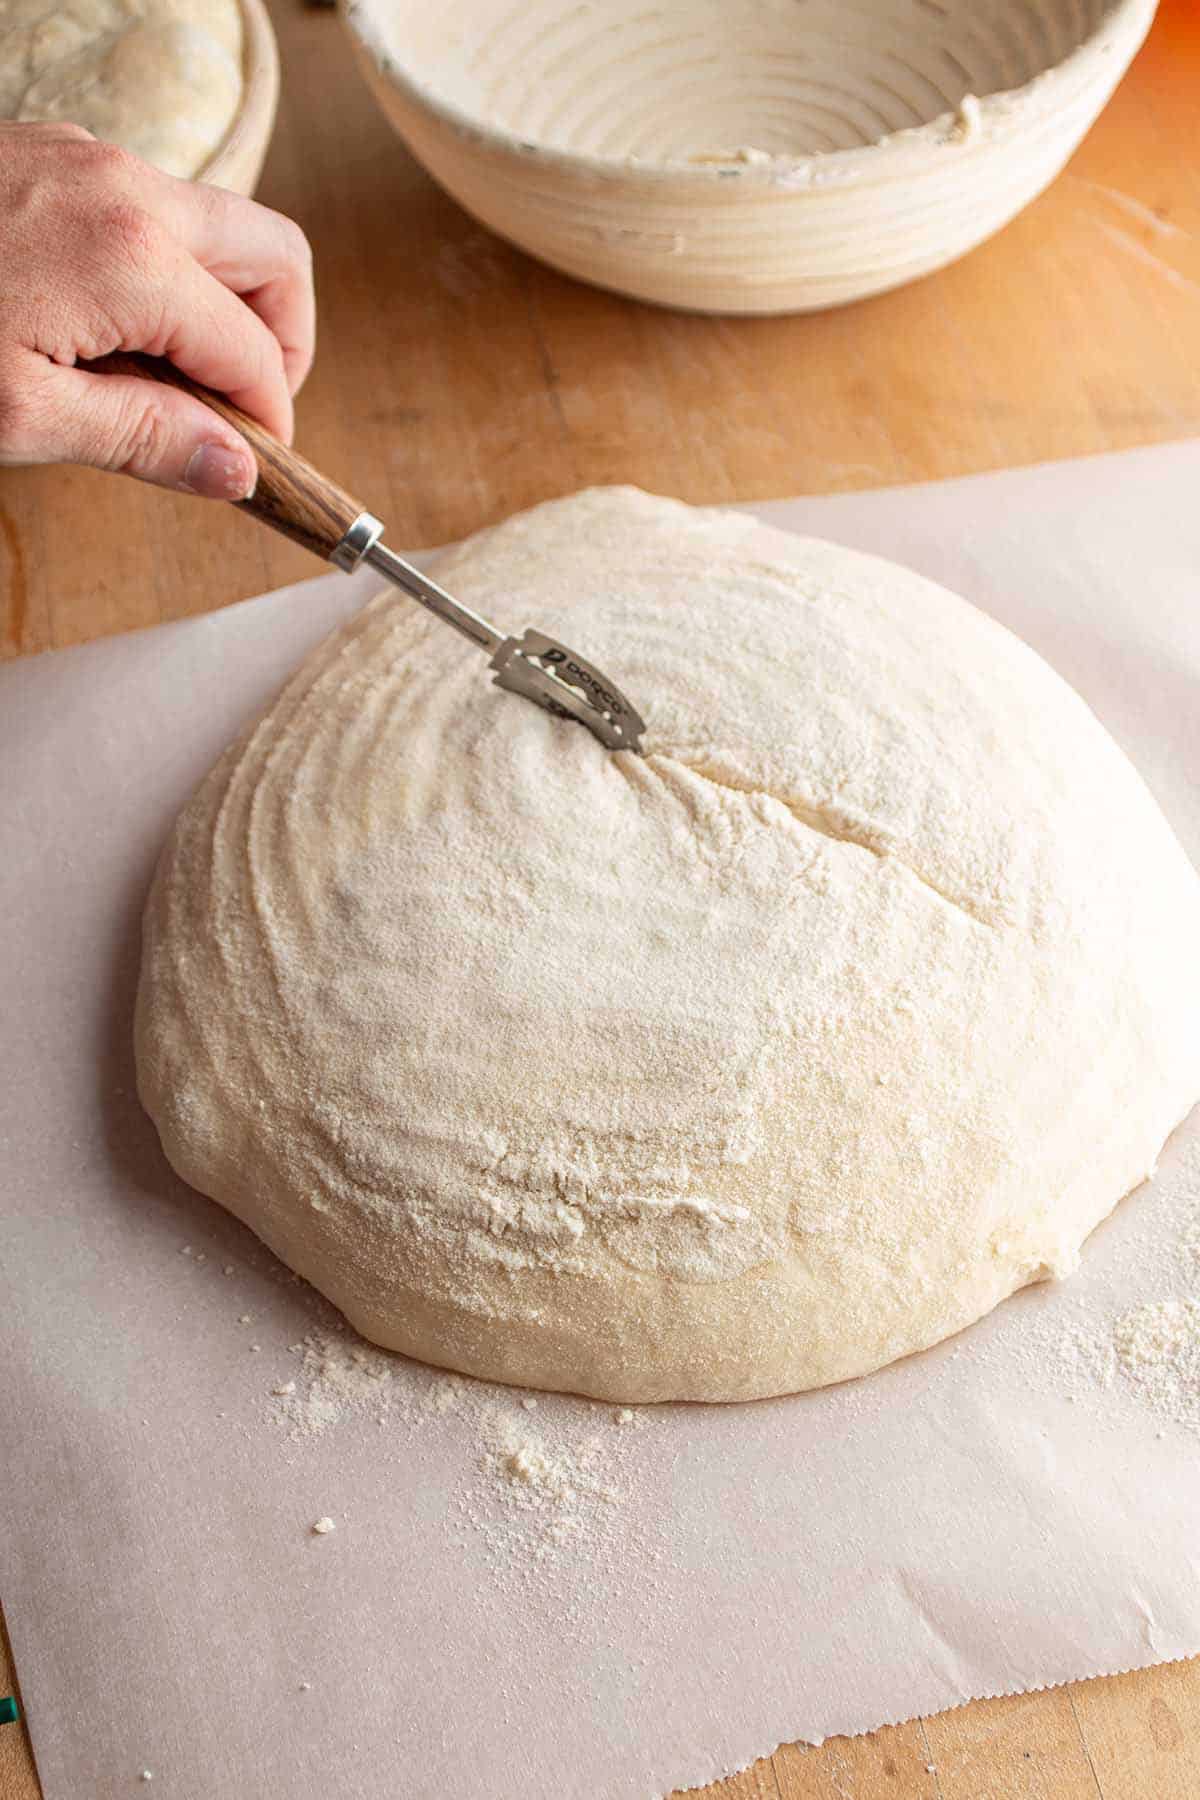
column 749, row 1065
column 163, row 78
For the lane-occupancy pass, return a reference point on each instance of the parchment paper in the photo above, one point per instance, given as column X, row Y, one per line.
column 960, row 1525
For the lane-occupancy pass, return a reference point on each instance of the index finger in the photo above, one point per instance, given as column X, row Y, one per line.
column 208, row 332
column 261, row 256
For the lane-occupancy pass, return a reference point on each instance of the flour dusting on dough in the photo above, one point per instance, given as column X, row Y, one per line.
column 747, row 1065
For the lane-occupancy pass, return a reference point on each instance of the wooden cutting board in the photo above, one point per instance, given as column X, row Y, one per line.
column 458, row 381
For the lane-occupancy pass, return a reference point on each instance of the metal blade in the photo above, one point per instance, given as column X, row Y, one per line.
column 562, row 681
column 550, row 674
column 438, row 601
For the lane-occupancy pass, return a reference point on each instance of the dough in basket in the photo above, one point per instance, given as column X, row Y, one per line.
column 162, row 78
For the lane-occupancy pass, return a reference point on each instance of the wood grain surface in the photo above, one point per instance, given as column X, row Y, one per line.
column 457, row 381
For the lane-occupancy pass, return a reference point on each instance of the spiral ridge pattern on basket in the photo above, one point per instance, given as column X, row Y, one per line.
column 702, row 79
column 746, row 155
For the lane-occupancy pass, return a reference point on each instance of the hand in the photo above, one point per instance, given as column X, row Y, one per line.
column 100, row 252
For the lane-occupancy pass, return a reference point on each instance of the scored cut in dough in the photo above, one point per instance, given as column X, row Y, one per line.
column 162, row 78
column 743, row 1067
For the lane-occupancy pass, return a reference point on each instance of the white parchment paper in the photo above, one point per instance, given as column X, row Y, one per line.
column 963, row 1524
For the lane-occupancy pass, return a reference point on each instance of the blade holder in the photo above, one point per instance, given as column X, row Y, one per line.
column 559, row 679
column 294, row 498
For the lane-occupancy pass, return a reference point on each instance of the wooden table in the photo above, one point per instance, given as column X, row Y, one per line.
column 457, row 381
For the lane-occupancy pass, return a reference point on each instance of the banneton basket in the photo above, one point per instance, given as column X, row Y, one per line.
column 237, row 162
column 745, row 156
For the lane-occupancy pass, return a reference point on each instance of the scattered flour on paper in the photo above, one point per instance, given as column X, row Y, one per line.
column 1150, row 1350
column 556, row 1484
column 1157, row 1348
column 339, row 1376
column 538, row 1470
column 1189, row 1245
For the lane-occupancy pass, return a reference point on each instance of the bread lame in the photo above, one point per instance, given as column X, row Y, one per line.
column 295, row 499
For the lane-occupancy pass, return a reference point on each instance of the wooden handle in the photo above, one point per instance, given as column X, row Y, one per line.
column 290, row 496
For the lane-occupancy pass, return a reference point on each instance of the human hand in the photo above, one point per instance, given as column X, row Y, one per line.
column 101, row 252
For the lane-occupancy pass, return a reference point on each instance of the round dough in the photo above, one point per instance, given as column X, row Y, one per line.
column 746, row 1066
column 163, row 78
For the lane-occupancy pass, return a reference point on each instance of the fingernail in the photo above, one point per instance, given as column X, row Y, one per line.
column 219, row 474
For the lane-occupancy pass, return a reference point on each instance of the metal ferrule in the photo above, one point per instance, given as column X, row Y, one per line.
column 361, row 537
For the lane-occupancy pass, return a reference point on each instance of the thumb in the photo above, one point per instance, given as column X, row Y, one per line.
column 153, row 432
